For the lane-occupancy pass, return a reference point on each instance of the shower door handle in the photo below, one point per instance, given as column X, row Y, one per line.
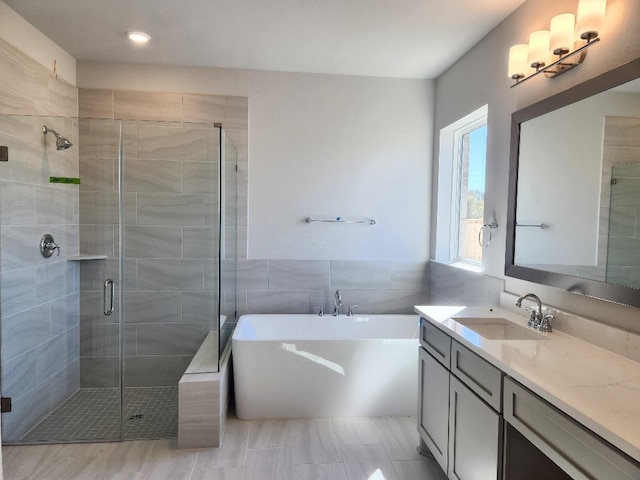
column 108, row 286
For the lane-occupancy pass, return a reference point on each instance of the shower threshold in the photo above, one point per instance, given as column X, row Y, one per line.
column 93, row 414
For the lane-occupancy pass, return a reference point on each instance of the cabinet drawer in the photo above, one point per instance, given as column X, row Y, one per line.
column 436, row 342
column 478, row 374
column 574, row 448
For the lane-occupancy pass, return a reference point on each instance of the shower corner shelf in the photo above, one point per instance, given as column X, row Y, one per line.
column 82, row 258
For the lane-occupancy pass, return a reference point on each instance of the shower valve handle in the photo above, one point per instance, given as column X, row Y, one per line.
column 48, row 246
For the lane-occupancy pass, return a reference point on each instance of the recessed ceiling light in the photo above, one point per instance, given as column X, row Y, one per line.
column 138, row 37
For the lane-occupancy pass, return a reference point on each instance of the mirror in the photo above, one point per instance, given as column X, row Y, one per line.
column 573, row 220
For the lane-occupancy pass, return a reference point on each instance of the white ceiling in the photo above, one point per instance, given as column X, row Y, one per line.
column 391, row 38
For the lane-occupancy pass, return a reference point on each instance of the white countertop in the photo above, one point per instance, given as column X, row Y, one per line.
column 596, row 387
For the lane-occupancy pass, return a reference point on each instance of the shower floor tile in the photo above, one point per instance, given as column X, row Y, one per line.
column 94, row 414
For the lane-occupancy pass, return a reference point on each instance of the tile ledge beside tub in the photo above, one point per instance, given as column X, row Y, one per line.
column 595, row 386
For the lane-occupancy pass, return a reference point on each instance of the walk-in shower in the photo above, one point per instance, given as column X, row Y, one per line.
column 96, row 336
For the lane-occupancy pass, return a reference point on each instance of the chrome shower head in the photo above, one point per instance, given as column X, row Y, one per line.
column 61, row 142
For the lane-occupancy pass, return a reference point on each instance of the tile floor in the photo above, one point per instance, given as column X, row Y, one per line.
column 306, row 449
column 94, row 414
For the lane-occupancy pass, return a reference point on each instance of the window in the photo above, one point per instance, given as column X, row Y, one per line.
column 461, row 181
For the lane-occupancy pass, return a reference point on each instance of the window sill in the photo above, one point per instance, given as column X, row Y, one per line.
column 462, row 265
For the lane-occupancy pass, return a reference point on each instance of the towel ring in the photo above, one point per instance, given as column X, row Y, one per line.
column 490, row 226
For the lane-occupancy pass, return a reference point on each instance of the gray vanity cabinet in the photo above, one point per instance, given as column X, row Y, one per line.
column 475, row 436
column 460, row 399
column 433, row 423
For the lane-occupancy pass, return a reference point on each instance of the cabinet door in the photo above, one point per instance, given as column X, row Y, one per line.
column 475, row 431
column 433, row 408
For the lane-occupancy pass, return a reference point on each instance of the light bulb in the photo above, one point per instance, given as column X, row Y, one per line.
column 590, row 18
column 538, row 48
column 518, row 64
column 561, row 36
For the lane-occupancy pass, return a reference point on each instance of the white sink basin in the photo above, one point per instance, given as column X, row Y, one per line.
column 498, row 329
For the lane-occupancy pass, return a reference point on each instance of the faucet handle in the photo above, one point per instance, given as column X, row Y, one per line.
column 351, row 311
column 545, row 323
column 320, row 309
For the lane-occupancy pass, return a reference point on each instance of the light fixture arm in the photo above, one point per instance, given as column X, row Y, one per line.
column 563, row 64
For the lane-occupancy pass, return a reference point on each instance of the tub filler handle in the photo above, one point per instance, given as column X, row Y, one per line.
column 320, row 309
column 108, row 287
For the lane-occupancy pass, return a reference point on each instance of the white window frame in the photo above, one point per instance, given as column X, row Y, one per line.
column 449, row 171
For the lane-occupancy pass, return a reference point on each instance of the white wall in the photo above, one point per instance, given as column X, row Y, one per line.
column 25, row 37
column 320, row 146
column 481, row 77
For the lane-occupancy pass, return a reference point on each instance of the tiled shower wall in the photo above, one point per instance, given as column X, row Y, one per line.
column 40, row 298
column 171, row 234
column 620, row 202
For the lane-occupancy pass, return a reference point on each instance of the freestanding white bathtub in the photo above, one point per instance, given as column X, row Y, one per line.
column 296, row 366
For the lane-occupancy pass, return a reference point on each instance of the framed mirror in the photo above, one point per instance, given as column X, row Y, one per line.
column 573, row 218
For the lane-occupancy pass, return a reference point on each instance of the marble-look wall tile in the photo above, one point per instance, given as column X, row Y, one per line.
column 170, row 274
column 456, row 286
column 18, row 290
column 153, row 242
column 19, row 374
column 153, row 306
column 204, row 108
column 359, row 275
column 154, row 106
column 170, row 339
column 95, row 103
column 277, row 302
column 99, row 372
column 294, row 275
column 397, row 301
column 172, row 143
column 153, row 370
column 253, row 274
column 200, row 307
column 26, row 412
column 170, row 209
column 24, row 82
column 56, row 354
column 408, row 276
column 17, row 203
column 200, row 242
column 153, row 176
column 25, row 330
column 63, row 97
column 200, row 177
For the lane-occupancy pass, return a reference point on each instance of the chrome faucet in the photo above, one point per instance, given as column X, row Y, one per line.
column 337, row 304
column 536, row 319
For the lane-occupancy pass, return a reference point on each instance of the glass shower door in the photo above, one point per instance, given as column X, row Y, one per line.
column 60, row 320
column 623, row 266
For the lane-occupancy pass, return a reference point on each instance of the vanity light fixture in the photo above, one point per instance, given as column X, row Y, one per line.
column 138, row 37
column 561, row 48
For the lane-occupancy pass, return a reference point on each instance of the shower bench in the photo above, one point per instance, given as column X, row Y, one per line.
column 203, row 397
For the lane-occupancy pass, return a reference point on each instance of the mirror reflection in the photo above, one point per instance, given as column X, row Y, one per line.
column 578, row 189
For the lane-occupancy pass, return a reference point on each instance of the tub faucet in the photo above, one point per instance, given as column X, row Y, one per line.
column 337, row 304
column 536, row 319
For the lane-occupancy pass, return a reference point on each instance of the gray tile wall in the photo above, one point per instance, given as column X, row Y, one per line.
column 39, row 296
column 296, row 286
column 449, row 285
column 171, row 229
